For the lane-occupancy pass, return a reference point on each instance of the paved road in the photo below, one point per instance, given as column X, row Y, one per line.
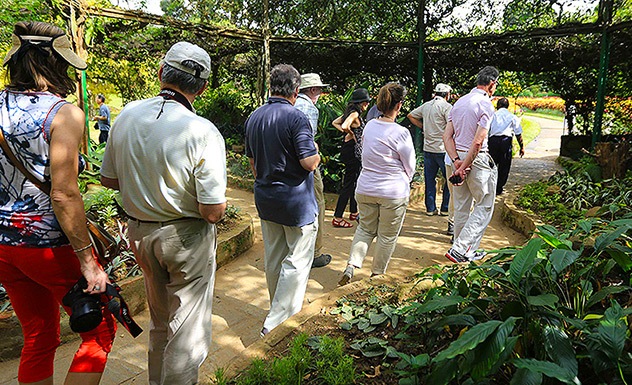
column 540, row 154
column 241, row 297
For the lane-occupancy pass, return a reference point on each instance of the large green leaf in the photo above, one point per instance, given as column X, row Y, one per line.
column 548, row 369
column 603, row 293
column 549, row 300
column 469, row 340
column 561, row 259
column 560, row 348
column 443, row 372
column 605, row 240
column 622, row 258
column 439, row 303
column 489, row 352
column 524, row 260
column 526, row 377
column 453, row 319
column 553, row 241
column 612, row 332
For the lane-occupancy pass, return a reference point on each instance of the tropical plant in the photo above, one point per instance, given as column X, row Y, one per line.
column 555, row 308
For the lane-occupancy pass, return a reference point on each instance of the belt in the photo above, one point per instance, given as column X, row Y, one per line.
column 162, row 223
column 480, row 152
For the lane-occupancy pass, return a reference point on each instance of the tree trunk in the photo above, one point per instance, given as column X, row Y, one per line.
column 614, row 158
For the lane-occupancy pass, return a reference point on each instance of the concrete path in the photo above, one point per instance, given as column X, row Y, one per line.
column 241, row 296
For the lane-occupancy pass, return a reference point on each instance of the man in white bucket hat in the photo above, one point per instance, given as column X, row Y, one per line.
column 310, row 89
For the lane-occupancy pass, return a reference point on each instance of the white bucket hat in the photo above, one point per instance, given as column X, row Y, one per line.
column 442, row 87
column 311, row 80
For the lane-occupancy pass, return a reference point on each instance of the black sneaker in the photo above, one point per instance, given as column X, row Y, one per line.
column 321, row 261
column 450, row 228
column 455, row 256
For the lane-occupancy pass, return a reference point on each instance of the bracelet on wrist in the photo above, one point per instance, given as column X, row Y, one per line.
column 89, row 245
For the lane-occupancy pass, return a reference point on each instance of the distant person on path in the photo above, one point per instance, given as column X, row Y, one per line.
column 432, row 117
column 103, row 119
column 283, row 155
column 504, row 126
column 352, row 125
column 44, row 243
column 474, row 176
column 311, row 88
column 170, row 166
column 373, row 113
column 388, row 165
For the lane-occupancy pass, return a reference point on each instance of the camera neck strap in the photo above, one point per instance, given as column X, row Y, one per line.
column 119, row 309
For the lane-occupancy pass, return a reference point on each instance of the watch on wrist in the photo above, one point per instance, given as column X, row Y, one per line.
column 455, row 159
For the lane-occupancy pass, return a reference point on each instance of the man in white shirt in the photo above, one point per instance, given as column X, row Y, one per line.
column 504, row 126
column 432, row 117
column 475, row 173
column 170, row 166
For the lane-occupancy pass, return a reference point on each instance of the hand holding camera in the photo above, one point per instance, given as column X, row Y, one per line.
column 455, row 179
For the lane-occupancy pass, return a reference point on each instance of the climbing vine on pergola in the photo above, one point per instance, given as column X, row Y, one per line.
column 408, row 39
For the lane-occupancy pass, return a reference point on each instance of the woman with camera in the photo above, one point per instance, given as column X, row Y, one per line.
column 388, row 165
column 352, row 125
column 44, row 243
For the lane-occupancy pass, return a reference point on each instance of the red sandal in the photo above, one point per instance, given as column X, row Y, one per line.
column 354, row 217
column 341, row 223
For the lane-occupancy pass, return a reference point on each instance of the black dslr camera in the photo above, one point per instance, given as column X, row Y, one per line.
column 455, row 179
column 87, row 309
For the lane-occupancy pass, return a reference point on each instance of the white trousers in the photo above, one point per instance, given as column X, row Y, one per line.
column 479, row 188
column 178, row 262
column 449, row 171
column 289, row 252
column 382, row 218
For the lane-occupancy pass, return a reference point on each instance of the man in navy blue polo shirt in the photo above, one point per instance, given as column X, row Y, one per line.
column 283, row 155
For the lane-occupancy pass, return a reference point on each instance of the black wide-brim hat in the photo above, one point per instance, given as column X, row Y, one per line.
column 360, row 95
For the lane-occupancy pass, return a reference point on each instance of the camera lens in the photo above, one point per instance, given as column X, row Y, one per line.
column 85, row 308
column 86, row 314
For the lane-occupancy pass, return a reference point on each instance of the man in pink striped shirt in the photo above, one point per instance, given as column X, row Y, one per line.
column 475, row 173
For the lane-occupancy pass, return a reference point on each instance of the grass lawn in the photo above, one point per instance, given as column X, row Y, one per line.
column 544, row 115
column 530, row 130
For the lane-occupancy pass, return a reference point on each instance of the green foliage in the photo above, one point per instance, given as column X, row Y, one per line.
column 565, row 197
column 551, row 309
column 321, row 358
column 238, row 165
column 227, row 107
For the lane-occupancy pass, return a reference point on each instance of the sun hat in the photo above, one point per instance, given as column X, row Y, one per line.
column 311, row 80
column 60, row 44
column 360, row 95
column 182, row 51
column 442, row 87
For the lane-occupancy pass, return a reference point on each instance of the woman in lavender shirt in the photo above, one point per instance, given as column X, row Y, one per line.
column 388, row 164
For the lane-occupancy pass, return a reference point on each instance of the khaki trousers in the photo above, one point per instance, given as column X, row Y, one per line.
column 289, row 252
column 320, row 199
column 178, row 262
column 382, row 218
column 479, row 188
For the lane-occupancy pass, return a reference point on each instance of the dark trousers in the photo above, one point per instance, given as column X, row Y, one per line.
column 433, row 163
column 500, row 150
column 103, row 136
column 350, row 181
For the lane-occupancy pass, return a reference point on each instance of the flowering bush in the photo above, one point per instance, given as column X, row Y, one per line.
column 546, row 103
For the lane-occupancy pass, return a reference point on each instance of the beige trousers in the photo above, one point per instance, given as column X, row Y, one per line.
column 320, row 199
column 381, row 218
column 474, row 204
column 178, row 262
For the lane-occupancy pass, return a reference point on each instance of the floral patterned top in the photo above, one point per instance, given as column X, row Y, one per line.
column 26, row 213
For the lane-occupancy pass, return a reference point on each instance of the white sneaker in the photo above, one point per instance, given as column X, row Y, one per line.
column 479, row 254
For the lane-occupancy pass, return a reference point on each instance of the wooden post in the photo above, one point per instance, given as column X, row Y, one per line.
column 76, row 19
column 264, row 73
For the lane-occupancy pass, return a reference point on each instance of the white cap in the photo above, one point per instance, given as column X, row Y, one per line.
column 182, row 51
column 441, row 87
